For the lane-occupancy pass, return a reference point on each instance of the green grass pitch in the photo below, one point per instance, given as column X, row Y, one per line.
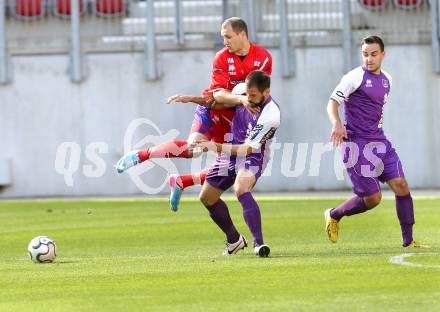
column 137, row 255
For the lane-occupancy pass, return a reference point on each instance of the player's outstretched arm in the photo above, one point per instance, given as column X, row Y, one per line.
column 338, row 130
column 225, row 99
column 203, row 100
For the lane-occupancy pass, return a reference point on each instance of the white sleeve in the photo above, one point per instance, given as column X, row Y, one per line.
column 267, row 124
column 390, row 79
column 239, row 89
column 348, row 84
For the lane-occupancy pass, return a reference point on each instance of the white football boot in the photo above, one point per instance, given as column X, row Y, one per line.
column 232, row 249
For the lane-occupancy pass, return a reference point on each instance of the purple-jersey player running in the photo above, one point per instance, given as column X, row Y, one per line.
column 368, row 156
column 241, row 163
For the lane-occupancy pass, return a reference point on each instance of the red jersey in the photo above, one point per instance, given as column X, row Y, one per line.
column 228, row 70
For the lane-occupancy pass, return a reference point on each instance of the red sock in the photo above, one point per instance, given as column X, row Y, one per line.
column 171, row 149
column 191, row 179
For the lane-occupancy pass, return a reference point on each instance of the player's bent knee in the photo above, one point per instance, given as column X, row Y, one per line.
column 401, row 187
column 207, row 200
column 244, row 182
column 239, row 191
column 241, row 187
column 373, row 200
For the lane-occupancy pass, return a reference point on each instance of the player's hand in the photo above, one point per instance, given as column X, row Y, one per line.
column 208, row 97
column 338, row 134
column 194, row 147
column 249, row 107
column 204, row 145
column 178, row 98
column 173, row 99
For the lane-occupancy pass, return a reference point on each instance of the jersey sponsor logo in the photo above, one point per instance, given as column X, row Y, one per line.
column 230, row 60
column 269, row 135
column 340, row 94
column 231, row 68
column 257, row 63
column 255, row 131
column 232, row 73
column 368, row 83
column 385, row 83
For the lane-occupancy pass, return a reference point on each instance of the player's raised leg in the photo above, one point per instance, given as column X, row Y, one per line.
column 352, row 206
column 179, row 182
column 171, row 149
column 367, row 196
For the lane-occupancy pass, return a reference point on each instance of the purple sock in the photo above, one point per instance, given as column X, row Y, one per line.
column 350, row 207
column 251, row 214
column 405, row 213
column 220, row 215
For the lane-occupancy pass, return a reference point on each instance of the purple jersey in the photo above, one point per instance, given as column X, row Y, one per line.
column 364, row 94
column 255, row 130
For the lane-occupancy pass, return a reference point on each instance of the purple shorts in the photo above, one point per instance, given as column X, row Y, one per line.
column 369, row 161
column 223, row 172
column 202, row 120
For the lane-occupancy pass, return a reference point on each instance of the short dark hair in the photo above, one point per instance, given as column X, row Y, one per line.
column 258, row 79
column 237, row 24
column 374, row 39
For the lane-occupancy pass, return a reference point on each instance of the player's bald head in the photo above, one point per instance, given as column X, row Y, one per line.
column 237, row 24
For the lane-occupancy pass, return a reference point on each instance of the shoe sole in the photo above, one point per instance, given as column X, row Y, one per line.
column 174, row 204
column 264, row 252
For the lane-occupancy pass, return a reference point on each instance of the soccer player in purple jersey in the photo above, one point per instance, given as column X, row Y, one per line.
column 368, row 156
column 240, row 163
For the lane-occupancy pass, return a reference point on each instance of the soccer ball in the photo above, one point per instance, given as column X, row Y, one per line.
column 42, row 249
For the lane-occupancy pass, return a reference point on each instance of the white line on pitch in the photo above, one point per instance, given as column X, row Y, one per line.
column 400, row 259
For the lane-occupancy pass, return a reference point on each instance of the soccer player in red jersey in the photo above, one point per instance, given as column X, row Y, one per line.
column 230, row 67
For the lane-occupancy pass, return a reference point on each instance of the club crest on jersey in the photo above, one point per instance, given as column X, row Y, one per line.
column 385, row 83
column 257, row 63
column 368, row 83
column 230, row 60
